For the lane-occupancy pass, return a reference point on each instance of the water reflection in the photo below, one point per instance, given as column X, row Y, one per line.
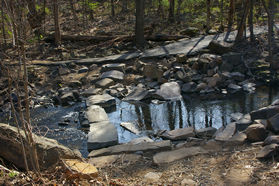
column 196, row 112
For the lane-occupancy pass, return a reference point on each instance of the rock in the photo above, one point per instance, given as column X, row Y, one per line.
column 220, row 47
column 63, row 71
column 83, row 70
column 243, row 124
column 49, row 151
column 236, row 116
column 201, row 86
column 273, row 123
column 234, row 87
column 237, row 76
column 227, row 133
column 179, row 134
column 213, row 81
column 131, row 148
column 249, row 87
column 80, row 169
column 91, row 91
column 137, row 94
column 183, row 76
column 94, row 114
column 169, row 91
column 104, row 83
column 104, row 100
column 130, row 127
column 75, row 84
column 207, row 132
column 105, row 161
column 174, row 155
column 153, row 71
column 181, row 58
column 190, row 31
column 271, row 139
column 189, row 87
column 256, row 132
column 113, row 74
column 274, row 103
column 66, row 98
column 238, row 138
column 226, row 67
column 102, row 134
column 268, row 151
column 264, row 113
column 116, row 66
column 188, row 182
column 152, row 177
column 233, row 58
column 143, row 139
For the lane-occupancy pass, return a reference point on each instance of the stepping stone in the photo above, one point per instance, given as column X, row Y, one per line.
column 137, row 94
column 169, row 91
column 96, row 114
column 170, row 156
column 104, row 83
column 102, row 134
column 130, row 127
column 113, row 74
column 104, row 100
column 116, row 66
column 131, row 148
column 179, row 134
column 227, row 133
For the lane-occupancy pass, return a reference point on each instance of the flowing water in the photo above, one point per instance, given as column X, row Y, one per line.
column 199, row 112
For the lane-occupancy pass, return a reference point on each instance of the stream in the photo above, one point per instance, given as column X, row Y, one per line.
column 198, row 112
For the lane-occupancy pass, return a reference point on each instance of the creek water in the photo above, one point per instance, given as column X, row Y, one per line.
column 199, row 112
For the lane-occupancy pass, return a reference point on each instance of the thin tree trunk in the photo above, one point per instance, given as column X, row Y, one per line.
column 208, row 15
column 140, row 23
column 3, row 24
column 231, row 14
column 178, row 11
column 242, row 22
column 222, row 14
column 73, row 11
column 251, row 26
column 56, row 23
column 124, row 6
column 171, row 10
column 112, row 8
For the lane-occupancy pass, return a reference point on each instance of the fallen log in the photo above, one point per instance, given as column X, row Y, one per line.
column 125, row 38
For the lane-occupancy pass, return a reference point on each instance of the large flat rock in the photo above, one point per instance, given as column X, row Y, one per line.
column 265, row 112
column 137, row 94
column 130, row 148
column 102, row 134
column 113, row 74
column 179, row 134
column 170, row 156
column 104, row 100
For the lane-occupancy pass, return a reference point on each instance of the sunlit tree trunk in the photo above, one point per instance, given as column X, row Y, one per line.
column 222, row 14
column 56, row 23
column 140, row 23
column 242, row 23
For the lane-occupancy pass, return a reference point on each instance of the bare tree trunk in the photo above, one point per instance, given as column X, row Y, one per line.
column 160, row 9
column 112, row 8
column 3, row 24
column 251, row 26
column 222, row 15
column 140, row 23
column 242, row 23
column 208, row 15
column 171, row 10
column 56, row 23
column 178, row 11
column 124, row 6
column 231, row 14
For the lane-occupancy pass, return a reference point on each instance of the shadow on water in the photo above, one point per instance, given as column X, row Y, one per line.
column 198, row 112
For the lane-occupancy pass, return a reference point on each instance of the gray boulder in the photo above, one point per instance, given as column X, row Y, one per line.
column 207, row 132
column 104, row 100
column 256, row 132
column 102, row 134
column 271, row 139
column 190, row 31
column 179, row 134
column 265, row 112
column 268, row 151
column 49, row 151
column 189, row 87
column 220, row 47
column 169, row 91
column 116, row 66
column 113, row 74
column 137, row 94
column 273, row 123
column 227, row 133
column 95, row 114
column 104, row 83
